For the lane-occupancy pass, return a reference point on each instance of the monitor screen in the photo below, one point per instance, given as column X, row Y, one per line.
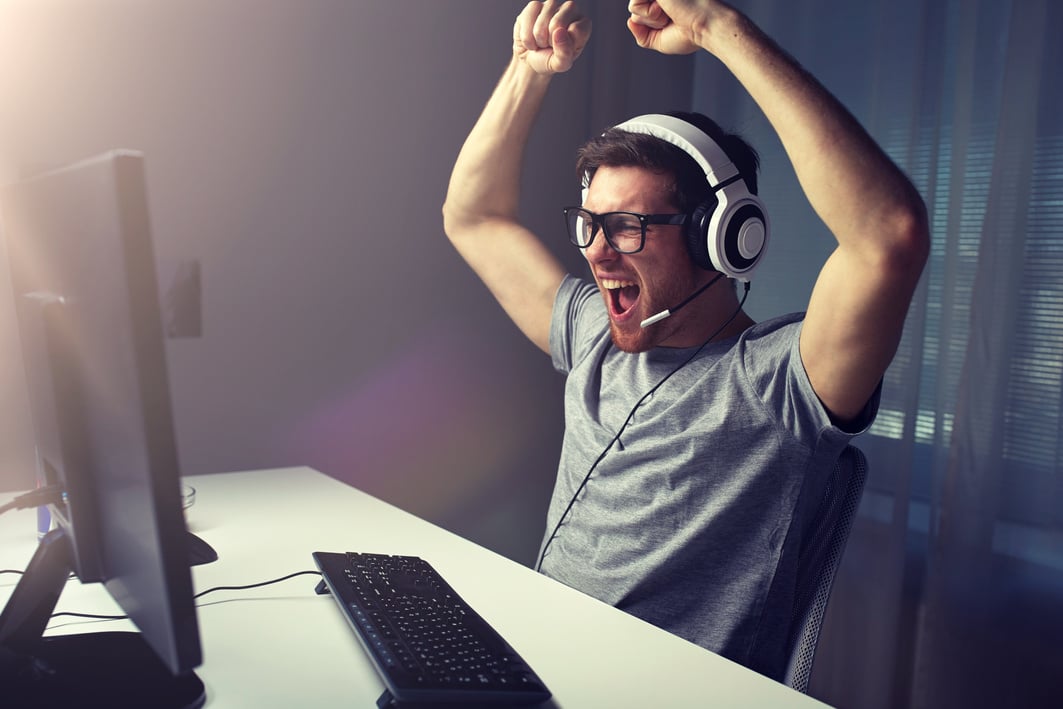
column 82, row 268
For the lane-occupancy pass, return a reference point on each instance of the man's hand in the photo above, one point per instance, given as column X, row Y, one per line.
column 671, row 26
column 549, row 36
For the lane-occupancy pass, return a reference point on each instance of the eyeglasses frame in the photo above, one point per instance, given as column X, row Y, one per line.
column 598, row 223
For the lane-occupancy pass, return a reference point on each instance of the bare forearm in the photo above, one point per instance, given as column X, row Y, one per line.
column 480, row 211
column 485, row 181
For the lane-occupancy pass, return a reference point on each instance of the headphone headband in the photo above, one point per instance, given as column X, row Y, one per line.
column 688, row 138
column 728, row 233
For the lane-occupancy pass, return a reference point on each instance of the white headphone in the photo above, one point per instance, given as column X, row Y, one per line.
column 729, row 232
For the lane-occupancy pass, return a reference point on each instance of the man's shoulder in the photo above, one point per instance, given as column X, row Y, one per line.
column 780, row 328
column 769, row 343
column 774, row 324
column 576, row 288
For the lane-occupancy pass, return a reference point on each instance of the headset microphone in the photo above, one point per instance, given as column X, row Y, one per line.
column 671, row 311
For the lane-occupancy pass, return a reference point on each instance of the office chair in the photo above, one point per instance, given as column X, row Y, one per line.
column 818, row 561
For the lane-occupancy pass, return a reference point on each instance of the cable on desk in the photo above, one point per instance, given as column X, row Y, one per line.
column 22, row 572
column 256, row 585
column 95, row 616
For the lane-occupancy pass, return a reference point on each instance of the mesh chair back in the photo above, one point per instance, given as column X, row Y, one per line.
column 818, row 561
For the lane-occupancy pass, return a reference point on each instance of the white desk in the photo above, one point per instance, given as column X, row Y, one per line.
column 284, row 646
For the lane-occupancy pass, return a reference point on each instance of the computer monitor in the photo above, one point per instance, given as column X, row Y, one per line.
column 82, row 268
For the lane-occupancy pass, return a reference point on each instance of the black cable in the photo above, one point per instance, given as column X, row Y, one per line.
column 256, row 585
column 52, row 494
column 94, row 616
column 601, row 456
column 22, row 572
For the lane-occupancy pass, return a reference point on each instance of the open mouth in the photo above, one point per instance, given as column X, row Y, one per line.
column 622, row 296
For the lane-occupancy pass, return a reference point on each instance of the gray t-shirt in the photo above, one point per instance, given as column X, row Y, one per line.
column 692, row 519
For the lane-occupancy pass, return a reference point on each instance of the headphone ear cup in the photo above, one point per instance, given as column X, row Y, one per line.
column 744, row 237
column 698, row 234
column 738, row 233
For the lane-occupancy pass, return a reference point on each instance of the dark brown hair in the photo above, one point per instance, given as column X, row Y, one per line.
column 617, row 148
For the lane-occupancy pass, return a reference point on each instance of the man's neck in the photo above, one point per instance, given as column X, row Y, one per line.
column 718, row 317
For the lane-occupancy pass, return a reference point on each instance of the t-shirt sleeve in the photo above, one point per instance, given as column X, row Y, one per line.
column 772, row 358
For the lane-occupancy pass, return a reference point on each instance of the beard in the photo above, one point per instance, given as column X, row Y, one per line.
column 632, row 342
column 632, row 338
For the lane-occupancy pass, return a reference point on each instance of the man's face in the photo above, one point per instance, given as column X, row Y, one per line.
column 636, row 286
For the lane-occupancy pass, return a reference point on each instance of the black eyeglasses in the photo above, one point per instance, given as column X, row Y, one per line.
column 625, row 231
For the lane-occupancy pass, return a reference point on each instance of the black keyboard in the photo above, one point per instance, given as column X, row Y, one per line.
column 427, row 644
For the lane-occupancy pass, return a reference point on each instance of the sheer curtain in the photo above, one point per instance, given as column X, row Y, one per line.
column 951, row 591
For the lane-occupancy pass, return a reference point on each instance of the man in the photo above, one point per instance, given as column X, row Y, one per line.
column 692, row 443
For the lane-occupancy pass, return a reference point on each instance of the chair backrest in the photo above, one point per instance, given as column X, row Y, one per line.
column 818, row 560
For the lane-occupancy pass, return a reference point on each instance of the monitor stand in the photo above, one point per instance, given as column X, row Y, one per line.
column 112, row 669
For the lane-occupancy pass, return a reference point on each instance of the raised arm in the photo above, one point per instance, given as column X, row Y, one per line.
column 480, row 212
column 857, row 309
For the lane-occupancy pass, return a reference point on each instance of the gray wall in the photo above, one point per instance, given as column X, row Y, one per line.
column 299, row 151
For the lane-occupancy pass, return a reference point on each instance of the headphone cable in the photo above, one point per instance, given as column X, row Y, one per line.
column 620, row 431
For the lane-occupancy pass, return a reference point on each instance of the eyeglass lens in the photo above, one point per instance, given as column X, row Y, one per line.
column 624, row 231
